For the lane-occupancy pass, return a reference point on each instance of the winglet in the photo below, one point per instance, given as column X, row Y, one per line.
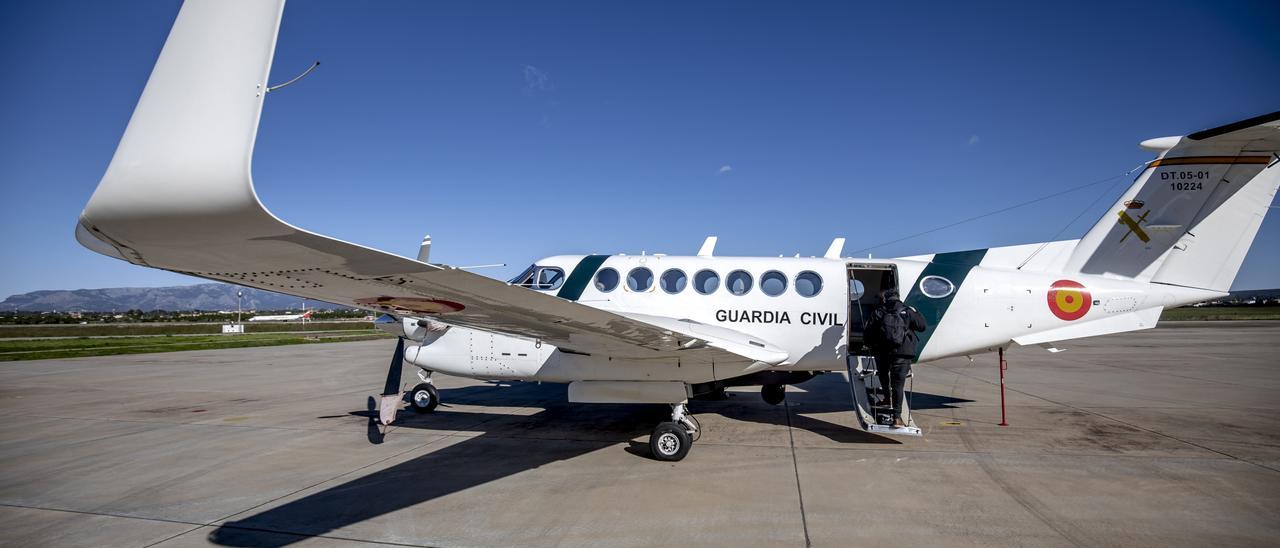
column 708, row 247
column 837, row 247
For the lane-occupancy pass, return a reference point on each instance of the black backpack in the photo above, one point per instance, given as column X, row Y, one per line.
column 893, row 328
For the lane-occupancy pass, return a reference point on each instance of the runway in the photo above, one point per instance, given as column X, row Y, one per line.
column 1164, row 437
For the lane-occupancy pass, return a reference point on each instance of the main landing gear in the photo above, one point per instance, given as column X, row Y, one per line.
column 424, row 397
column 671, row 441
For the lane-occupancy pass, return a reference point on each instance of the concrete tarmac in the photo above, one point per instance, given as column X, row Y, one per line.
column 1164, row 437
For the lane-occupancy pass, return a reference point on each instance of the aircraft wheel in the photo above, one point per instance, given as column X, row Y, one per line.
column 669, row 442
column 773, row 394
column 424, row 398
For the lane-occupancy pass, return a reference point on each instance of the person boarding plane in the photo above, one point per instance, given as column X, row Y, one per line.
column 654, row 329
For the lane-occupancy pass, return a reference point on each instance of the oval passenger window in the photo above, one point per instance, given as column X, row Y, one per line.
column 808, row 283
column 706, row 282
column 640, row 279
column 738, row 282
column 773, row 283
column 607, row 280
column 673, row 281
column 936, row 287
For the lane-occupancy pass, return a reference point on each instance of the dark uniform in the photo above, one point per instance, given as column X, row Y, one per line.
column 893, row 360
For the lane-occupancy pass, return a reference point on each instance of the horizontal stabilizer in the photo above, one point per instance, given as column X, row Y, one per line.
column 1120, row 323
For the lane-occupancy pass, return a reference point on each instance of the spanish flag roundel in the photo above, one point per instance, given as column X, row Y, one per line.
column 1069, row 300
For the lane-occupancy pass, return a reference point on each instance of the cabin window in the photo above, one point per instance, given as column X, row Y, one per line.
column 607, row 280
column 706, row 282
column 541, row 278
column 640, row 279
column 738, row 282
column 856, row 289
column 773, row 283
column 936, row 287
column 673, row 281
column 808, row 283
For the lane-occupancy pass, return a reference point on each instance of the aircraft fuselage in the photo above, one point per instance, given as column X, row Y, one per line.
column 974, row 301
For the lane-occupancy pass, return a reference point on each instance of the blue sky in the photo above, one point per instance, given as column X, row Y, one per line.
column 514, row 131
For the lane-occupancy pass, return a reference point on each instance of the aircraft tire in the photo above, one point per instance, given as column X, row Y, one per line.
column 773, row 394
column 669, row 442
column 424, row 398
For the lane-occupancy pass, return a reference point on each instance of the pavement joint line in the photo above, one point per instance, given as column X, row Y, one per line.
column 198, row 525
column 795, row 465
column 180, row 424
column 468, row 434
column 296, row 491
column 390, row 428
column 939, row 452
column 308, row 536
column 1126, row 423
column 97, row 513
column 1165, row 373
column 1028, row 501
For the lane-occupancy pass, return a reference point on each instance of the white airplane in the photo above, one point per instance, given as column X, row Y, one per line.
column 652, row 329
column 283, row 317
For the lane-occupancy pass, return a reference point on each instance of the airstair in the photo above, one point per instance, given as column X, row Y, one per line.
column 875, row 414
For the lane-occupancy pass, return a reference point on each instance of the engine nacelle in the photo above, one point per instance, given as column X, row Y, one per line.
column 415, row 329
column 478, row 355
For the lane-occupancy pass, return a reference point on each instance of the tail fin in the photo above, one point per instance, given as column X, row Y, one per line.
column 1192, row 214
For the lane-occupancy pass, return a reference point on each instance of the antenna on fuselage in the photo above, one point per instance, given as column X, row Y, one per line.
column 708, row 248
column 425, row 250
column 837, row 247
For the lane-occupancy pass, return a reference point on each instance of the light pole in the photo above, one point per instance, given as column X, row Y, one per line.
column 239, row 296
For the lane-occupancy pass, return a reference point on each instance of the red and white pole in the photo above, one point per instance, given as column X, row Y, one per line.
column 1003, row 366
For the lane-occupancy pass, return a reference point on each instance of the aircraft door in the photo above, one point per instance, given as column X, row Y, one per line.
column 866, row 281
column 871, row 404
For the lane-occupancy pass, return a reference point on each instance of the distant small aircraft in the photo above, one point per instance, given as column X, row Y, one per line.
column 283, row 317
column 651, row 328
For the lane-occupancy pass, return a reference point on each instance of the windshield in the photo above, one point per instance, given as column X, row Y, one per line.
column 541, row 278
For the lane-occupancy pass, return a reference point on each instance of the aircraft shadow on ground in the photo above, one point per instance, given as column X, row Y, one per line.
column 506, row 444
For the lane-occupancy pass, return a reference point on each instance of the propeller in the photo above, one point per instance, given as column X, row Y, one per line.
column 390, row 402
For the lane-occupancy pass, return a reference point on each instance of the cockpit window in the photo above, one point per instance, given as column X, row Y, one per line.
column 541, row 278
column 550, row 278
column 525, row 279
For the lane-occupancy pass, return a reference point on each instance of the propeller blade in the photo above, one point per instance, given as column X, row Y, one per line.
column 391, row 390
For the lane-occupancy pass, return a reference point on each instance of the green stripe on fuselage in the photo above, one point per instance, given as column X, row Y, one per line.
column 952, row 266
column 581, row 276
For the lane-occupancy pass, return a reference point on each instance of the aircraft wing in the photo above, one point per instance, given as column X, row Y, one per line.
column 178, row 195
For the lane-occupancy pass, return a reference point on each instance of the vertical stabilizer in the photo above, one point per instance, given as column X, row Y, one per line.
column 1192, row 214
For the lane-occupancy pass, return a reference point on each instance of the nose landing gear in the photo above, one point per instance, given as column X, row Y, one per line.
column 671, row 441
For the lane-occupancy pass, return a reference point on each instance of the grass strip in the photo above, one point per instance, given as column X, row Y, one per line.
column 1221, row 313
column 44, row 349
column 116, row 330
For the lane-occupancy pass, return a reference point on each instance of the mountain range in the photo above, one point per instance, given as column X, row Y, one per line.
column 206, row 297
